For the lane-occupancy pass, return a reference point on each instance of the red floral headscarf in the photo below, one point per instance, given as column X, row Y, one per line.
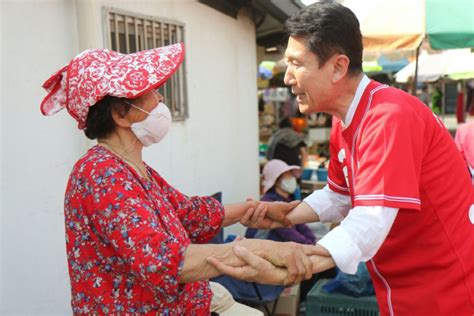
column 95, row 73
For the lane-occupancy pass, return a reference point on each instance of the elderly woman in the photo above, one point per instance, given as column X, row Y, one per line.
column 279, row 181
column 132, row 239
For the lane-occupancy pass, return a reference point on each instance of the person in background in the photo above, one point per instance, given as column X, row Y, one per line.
column 223, row 304
column 287, row 145
column 279, row 186
column 464, row 140
column 424, row 96
column 470, row 97
column 280, row 183
column 134, row 242
column 460, row 106
column 436, row 99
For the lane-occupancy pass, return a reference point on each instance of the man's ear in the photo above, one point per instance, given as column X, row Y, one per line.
column 341, row 66
column 120, row 118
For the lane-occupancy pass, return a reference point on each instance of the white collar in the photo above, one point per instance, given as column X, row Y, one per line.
column 364, row 82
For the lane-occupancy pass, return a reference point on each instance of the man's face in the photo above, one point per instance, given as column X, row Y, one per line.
column 309, row 83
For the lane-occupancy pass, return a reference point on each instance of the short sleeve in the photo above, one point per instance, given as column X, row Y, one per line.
column 201, row 216
column 337, row 174
column 123, row 218
column 388, row 153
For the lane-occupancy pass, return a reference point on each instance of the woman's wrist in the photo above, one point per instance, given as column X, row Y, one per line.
column 234, row 212
column 260, row 247
column 196, row 266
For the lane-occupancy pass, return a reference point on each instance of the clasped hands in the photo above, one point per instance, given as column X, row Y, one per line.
column 267, row 215
column 270, row 262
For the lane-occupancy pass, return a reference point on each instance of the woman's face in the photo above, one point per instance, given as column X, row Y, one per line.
column 287, row 182
column 146, row 102
column 286, row 175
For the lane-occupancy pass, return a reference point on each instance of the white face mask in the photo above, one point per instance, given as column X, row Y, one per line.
column 289, row 185
column 154, row 127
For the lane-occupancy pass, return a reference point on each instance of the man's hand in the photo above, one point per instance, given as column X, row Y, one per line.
column 267, row 215
column 292, row 256
column 322, row 263
column 300, row 260
column 274, row 262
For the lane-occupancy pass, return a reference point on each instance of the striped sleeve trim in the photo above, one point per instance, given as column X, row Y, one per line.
column 386, row 197
column 341, row 188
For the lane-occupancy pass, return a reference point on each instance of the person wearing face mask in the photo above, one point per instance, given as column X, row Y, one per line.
column 135, row 243
column 280, row 184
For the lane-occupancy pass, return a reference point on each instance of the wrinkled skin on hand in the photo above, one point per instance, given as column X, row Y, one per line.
column 256, row 269
column 272, row 262
column 294, row 258
column 266, row 215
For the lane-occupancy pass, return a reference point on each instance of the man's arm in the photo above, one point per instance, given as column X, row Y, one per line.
column 329, row 205
column 323, row 205
column 357, row 239
column 291, row 259
column 257, row 269
column 261, row 215
column 303, row 213
column 359, row 236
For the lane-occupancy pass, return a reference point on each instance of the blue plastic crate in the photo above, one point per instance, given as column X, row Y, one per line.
column 322, row 174
column 321, row 303
column 306, row 174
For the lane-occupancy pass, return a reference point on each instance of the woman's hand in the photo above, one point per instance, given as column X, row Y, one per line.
column 275, row 262
column 292, row 256
column 256, row 269
column 267, row 215
column 294, row 259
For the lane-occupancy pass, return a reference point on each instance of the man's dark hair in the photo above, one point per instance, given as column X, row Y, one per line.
column 99, row 122
column 329, row 28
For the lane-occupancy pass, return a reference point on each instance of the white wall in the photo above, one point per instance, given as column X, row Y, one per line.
column 214, row 150
column 1, row 158
column 37, row 154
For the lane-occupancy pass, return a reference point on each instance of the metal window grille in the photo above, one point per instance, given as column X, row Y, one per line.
column 127, row 32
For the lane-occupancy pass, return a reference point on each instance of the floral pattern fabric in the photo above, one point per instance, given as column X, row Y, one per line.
column 126, row 237
column 95, row 73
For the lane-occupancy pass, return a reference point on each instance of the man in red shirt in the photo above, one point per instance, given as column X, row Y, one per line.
column 396, row 181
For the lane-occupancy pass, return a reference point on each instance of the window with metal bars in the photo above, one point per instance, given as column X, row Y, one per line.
column 128, row 32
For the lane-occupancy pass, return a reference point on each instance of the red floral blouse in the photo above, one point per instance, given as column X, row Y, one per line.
column 126, row 237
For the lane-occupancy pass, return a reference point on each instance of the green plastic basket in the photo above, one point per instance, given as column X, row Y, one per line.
column 321, row 303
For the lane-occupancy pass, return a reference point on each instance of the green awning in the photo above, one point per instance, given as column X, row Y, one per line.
column 450, row 24
column 371, row 66
column 462, row 76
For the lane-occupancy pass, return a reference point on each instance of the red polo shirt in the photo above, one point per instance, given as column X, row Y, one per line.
column 396, row 153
